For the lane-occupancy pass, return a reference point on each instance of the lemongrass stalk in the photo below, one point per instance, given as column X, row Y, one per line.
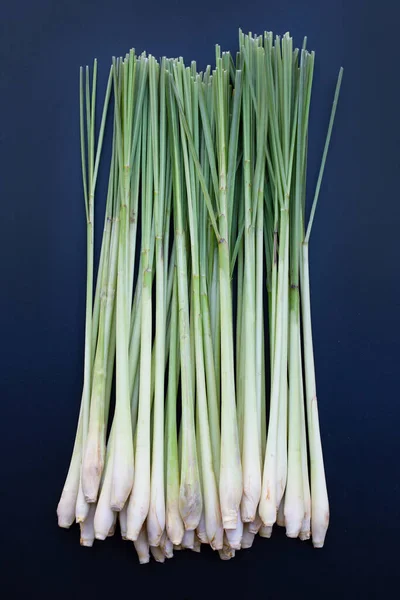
column 190, row 499
column 210, row 494
column 139, row 501
column 247, row 538
column 278, row 108
column 230, row 480
column 319, row 494
column 156, row 515
column 174, row 523
column 204, row 260
column 251, row 418
column 93, row 459
column 305, row 530
column 82, row 508
column 142, row 546
column 123, row 460
column 294, row 496
column 87, row 528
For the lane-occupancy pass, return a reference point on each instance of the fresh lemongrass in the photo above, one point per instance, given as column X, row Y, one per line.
column 188, row 97
column 253, row 181
column 72, row 493
column 190, row 499
column 93, row 459
column 123, row 466
column 279, row 101
column 319, row 495
column 156, row 516
column 230, row 480
column 218, row 162
column 294, row 497
column 139, row 501
column 211, row 366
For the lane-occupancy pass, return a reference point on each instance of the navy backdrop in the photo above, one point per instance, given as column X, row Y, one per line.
column 355, row 292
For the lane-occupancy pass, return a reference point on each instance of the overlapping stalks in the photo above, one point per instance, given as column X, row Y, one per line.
column 203, row 276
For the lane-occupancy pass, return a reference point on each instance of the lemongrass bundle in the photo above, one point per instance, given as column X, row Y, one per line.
column 203, row 274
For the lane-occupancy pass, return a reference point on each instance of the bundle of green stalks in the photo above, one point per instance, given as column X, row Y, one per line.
column 203, row 275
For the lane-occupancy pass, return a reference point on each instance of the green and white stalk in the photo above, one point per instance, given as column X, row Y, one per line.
column 230, row 479
column 189, row 97
column 294, row 496
column 93, row 460
column 139, row 501
column 190, row 498
column 253, row 197
column 123, row 461
column 319, row 494
column 72, row 503
column 156, row 515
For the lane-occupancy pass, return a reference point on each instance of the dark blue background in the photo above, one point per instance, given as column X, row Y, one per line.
column 355, row 282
